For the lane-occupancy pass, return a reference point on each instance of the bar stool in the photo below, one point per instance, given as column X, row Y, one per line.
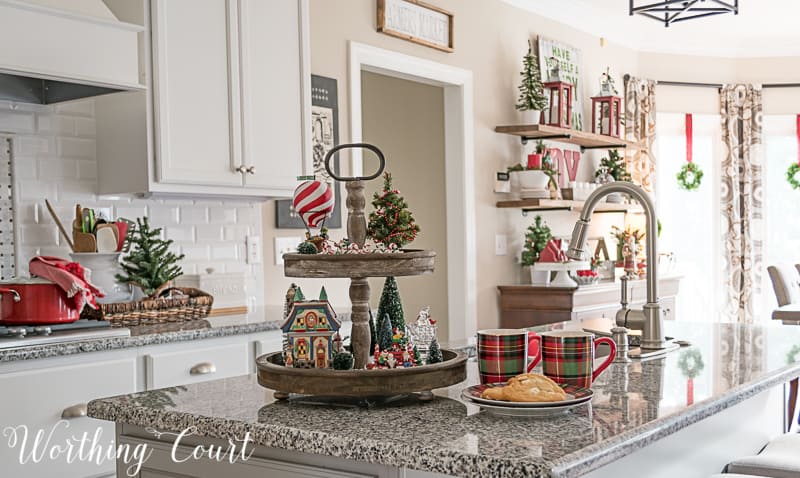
column 779, row 459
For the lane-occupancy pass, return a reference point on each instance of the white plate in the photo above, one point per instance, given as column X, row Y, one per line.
column 525, row 411
column 575, row 396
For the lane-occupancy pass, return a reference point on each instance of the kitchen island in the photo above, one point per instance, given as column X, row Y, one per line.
column 686, row 414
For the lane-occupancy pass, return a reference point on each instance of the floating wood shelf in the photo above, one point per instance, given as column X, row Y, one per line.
column 581, row 138
column 529, row 205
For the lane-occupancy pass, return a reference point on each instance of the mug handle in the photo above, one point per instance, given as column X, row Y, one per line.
column 533, row 338
column 609, row 359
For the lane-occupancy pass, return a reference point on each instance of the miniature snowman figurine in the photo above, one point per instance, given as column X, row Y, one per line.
column 390, row 361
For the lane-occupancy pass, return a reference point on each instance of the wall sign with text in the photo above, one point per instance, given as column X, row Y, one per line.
column 416, row 22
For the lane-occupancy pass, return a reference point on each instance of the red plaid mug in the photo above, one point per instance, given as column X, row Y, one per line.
column 506, row 353
column 568, row 356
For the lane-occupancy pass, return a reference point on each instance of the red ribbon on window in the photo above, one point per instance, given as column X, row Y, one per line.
column 689, row 136
column 798, row 140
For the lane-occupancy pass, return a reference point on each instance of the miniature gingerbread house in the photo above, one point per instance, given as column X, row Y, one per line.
column 310, row 327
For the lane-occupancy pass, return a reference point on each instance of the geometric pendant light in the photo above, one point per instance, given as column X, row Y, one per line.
column 673, row 11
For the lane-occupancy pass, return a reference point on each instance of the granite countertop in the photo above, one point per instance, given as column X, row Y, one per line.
column 212, row 327
column 635, row 404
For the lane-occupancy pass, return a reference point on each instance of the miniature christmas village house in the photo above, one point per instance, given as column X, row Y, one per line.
column 312, row 332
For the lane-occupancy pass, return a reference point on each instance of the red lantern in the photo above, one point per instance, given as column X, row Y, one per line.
column 606, row 115
column 560, row 108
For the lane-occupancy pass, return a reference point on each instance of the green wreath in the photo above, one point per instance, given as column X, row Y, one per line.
column 791, row 357
column 690, row 176
column 691, row 363
column 791, row 176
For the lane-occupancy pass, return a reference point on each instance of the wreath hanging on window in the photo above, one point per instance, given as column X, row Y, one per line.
column 792, row 175
column 691, row 363
column 690, row 176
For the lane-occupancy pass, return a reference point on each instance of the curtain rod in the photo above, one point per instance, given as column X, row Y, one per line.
column 718, row 85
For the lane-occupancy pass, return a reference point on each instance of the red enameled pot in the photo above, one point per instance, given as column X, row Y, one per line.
column 34, row 302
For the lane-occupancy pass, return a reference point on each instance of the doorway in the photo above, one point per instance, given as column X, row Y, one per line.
column 457, row 261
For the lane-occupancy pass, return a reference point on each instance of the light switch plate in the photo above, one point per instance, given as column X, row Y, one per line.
column 285, row 245
column 253, row 247
column 500, row 245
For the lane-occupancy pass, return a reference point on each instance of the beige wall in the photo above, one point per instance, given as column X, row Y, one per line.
column 490, row 39
column 406, row 120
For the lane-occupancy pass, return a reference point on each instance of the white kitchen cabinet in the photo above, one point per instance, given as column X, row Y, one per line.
column 228, row 108
column 53, row 400
column 167, row 369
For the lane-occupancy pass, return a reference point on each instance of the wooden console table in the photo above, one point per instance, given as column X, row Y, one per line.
column 528, row 305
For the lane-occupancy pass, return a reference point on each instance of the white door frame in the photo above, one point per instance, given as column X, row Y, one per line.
column 459, row 166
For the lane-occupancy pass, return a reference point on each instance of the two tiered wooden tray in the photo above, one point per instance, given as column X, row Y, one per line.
column 359, row 382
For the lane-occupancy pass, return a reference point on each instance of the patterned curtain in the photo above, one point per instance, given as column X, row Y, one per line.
column 640, row 127
column 740, row 108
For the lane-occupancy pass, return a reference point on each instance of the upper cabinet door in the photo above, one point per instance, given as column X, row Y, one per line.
column 276, row 97
column 196, row 91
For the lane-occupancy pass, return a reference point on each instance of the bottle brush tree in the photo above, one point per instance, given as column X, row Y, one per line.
column 391, row 222
column 531, row 89
column 385, row 333
column 536, row 238
column 390, row 304
column 435, row 352
column 615, row 165
column 150, row 264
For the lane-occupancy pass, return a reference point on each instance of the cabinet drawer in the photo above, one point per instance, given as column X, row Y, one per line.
column 37, row 399
column 197, row 365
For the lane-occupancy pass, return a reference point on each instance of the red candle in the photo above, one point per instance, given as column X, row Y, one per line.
column 535, row 161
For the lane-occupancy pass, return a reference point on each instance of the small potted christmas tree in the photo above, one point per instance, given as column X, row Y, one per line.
column 536, row 238
column 531, row 90
column 151, row 265
column 612, row 168
column 391, row 223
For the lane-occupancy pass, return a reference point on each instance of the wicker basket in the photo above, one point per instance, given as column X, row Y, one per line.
column 194, row 306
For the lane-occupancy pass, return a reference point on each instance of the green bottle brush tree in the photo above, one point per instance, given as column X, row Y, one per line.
column 536, row 238
column 531, row 89
column 151, row 264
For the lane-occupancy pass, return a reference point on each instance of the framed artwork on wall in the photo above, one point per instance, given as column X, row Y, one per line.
column 417, row 22
column 565, row 62
column 324, row 136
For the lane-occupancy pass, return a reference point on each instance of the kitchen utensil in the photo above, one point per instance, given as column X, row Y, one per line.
column 34, row 301
column 84, row 242
column 122, row 228
column 568, row 356
column 87, row 220
column 106, row 236
column 575, row 395
column 78, row 217
column 58, row 223
column 505, row 353
column 102, row 270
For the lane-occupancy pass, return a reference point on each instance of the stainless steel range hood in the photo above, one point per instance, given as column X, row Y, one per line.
column 56, row 51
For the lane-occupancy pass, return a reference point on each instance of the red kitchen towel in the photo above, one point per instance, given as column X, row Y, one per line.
column 70, row 276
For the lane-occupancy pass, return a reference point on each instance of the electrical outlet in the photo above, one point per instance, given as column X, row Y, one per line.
column 500, row 245
column 253, row 249
column 284, row 245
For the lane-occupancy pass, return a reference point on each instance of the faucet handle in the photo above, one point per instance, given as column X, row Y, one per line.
column 624, row 292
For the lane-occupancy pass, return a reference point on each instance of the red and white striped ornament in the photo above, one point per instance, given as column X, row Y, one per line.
column 313, row 202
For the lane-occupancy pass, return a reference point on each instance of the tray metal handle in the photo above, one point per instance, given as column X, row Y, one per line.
column 371, row 147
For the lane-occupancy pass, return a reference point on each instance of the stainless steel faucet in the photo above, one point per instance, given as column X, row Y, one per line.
column 648, row 319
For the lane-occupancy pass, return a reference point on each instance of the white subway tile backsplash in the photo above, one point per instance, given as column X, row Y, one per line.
column 222, row 215
column 17, row 122
column 180, row 233
column 130, row 212
column 62, row 168
column 76, row 147
column 38, row 234
column 55, row 158
column 163, row 215
column 194, row 215
column 211, row 232
column 224, row 252
column 47, row 123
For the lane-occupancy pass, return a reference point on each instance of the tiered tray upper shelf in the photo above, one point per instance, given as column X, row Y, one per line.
column 406, row 263
column 581, row 138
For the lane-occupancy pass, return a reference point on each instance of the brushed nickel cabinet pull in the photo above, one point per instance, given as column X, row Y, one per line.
column 251, row 170
column 240, row 169
column 75, row 411
column 203, row 368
